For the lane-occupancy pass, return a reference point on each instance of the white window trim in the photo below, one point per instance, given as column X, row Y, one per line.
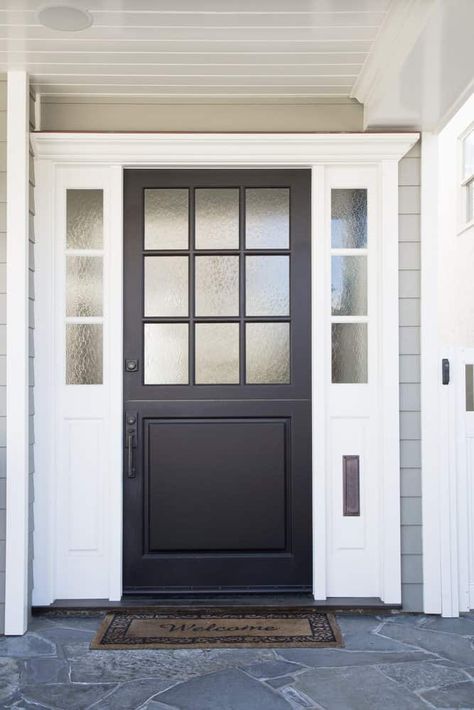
column 463, row 194
column 315, row 151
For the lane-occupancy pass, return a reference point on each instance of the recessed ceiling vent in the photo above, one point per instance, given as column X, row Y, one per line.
column 65, row 18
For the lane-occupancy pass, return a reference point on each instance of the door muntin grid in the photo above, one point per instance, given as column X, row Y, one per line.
column 244, row 286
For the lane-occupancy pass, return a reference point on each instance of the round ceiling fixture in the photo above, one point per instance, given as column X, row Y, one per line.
column 65, row 18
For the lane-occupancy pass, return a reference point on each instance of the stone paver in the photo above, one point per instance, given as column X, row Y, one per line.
column 56, row 695
column 357, row 688
column 419, row 676
column 399, row 662
column 459, row 695
column 230, row 689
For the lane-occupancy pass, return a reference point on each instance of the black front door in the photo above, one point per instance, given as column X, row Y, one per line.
column 217, row 383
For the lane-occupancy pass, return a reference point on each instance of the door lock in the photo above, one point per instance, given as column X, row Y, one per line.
column 131, row 438
column 131, row 365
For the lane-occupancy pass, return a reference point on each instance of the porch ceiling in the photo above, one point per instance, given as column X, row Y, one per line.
column 228, row 50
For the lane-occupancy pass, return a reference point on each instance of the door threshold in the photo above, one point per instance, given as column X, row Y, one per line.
column 93, row 606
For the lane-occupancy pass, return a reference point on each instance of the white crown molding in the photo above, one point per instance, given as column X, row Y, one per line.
column 221, row 149
column 397, row 35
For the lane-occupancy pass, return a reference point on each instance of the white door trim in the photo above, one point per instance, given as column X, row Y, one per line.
column 17, row 375
column 431, row 440
column 377, row 152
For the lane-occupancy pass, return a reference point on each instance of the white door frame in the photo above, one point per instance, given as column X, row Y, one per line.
column 445, row 491
column 55, row 154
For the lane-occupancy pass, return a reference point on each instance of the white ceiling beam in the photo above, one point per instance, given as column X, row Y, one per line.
column 400, row 30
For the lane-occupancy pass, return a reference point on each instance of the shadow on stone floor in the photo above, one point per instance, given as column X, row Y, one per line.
column 391, row 662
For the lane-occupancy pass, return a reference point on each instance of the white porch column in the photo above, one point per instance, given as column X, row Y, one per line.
column 16, row 581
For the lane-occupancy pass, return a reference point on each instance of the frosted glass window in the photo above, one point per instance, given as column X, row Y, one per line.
column 217, row 218
column 267, row 353
column 84, row 219
column 84, row 286
column 349, row 285
column 267, row 218
column 166, row 354
column 217, row 285
column 349, row 218
column 166, row 218
column 470, row 201
column 217, row 353
column 469, row 388
column 166, row 286
column 84, row 354
column 468, row 155
column 267, row 285
column 349, row 352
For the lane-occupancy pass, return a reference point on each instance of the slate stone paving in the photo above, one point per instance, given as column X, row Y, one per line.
column 390, row 662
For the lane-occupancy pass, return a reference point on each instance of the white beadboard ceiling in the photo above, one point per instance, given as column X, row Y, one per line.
column 233, row 50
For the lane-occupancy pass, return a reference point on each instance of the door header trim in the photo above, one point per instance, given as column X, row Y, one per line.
column 214, row 149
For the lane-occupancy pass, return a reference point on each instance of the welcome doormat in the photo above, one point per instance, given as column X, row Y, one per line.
column 175, row 628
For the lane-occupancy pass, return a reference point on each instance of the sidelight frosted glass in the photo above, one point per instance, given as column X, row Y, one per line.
column 267, row 281
column 469, row 388
column 166, row 354
column 349, row 352
column 166, row 218
column 84, row 219
column 217, row 353
column 217, row 285
column 217, row 218
column 84, row 286
column 349, row 285
column 267, row 218
column 84, row 354
column 267, row 353
column 349, row 218
column 166, row 286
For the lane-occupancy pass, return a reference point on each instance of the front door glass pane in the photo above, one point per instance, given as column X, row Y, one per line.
column 267, row 353
column 166, row 219
column 84, row 219
column 83, row 286
column 267, row 218
column 217, row 353
column 217, row 285
column 166, row 354
column 267, row 285
column 349, row 286
column 166, row 286
column 84, row 354
column 217, row 218
column 349, row 353
column 349, row 218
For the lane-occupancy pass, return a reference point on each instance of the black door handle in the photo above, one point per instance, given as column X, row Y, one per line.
column 131, row 468
column 131, row 437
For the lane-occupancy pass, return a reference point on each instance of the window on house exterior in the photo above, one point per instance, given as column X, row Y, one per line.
column 468, row 176
column 349, row 303
column 84, row 287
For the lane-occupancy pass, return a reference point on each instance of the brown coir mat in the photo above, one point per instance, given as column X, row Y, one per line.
column 254, row 627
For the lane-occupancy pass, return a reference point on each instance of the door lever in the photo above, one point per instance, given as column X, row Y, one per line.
column 131, row 419
column 131, row 467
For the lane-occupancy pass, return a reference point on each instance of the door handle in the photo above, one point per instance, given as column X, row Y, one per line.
column 131, row 467
column 131, row 438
